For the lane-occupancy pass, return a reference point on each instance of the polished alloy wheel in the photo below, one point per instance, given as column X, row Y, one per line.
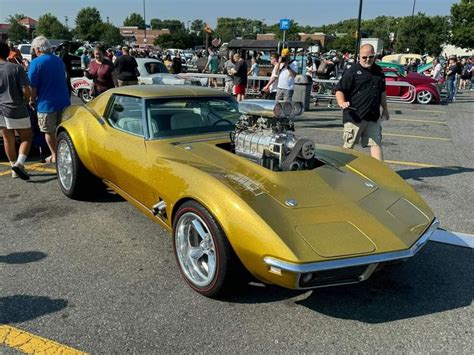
column 195, row 249
column 64, row 164
column 424, row 97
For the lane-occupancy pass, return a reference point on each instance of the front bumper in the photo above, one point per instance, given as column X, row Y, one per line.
column 344, row 271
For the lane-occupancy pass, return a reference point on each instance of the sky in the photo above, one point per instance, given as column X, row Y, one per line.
column 304, row 12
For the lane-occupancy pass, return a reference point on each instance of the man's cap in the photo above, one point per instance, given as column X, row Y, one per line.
column 285, row 52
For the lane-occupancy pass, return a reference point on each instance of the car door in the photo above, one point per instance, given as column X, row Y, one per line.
column 392, row 90
column 125, row 148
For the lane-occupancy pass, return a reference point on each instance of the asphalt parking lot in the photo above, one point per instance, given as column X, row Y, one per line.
column 100, row 277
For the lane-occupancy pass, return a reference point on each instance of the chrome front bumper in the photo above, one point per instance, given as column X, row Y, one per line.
column 345, row 271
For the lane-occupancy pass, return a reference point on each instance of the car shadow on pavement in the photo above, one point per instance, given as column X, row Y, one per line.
column 419, row 174
column 438, row 279
column 22, row 257
column 21, row 308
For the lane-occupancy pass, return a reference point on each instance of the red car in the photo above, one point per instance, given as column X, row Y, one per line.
column 426, row 88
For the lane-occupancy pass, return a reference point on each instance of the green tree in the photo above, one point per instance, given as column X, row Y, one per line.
column 88, row 24
column 342, row 44
column 462, row 17
column 17, row 32
column 197, row 26
column 178, row 40
column 110, row 35
column 230, row 28
column 422, row 34
column 135, row 20
column 50, row 27
column 172, row 25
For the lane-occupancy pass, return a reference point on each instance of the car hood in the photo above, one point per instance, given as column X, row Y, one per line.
column 335, row 209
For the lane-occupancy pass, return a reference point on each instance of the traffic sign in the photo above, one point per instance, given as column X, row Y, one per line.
column 285, row 24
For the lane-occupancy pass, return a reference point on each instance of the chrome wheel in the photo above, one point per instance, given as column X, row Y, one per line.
column 424, row 97
column 195, row 249
column 65, row 164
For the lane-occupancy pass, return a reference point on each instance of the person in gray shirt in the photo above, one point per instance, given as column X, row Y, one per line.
column 14, row 88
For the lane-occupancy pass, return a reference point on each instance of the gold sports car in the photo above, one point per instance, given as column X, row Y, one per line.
column 238, row 190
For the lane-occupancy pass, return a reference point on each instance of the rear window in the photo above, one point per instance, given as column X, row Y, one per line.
column 25, row 50
column 155, row 67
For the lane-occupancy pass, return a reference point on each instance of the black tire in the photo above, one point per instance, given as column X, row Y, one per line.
column 82, row 185
column 227, row 263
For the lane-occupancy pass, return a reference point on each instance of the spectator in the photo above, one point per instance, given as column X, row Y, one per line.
column 15, row 55
column 168, row 62
column 286, row 78
column 360, row 93
column 310, row 67
column 451, row 79
column 213, row 64
column 272, row 85
column 14, row 86
column 254, row 68
column 229, row 65
column 466, row 73
column 100, row 71
column 49, row 91
column 67, row 60
column 85, row 59
column 177, row 66
column 127, row 68
column 240, row 76
column 437, row 70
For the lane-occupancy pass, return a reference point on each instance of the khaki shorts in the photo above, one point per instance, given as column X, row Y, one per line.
column 15, row 123
column 367, row 132
column 47, row 122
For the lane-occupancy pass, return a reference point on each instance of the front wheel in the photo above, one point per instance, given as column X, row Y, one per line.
column 424, row 97
column 204, row 255
column 75, row 181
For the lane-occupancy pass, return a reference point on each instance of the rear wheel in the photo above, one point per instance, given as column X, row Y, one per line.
column 75, row 181
column 203, row 253
column 85, row 95
column 424, row 97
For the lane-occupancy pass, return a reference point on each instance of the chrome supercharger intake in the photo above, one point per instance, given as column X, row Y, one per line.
column 264, row 134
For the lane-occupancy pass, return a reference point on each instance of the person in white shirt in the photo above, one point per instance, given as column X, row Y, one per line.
column 437, row 70
column 286, row 79
column 271, row 88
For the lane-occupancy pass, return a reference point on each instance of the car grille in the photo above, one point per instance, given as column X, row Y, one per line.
column 332, row 277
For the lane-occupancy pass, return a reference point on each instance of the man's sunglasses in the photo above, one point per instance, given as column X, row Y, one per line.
column 368, row 57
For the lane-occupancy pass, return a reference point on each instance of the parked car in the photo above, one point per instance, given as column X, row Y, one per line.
column 426, row 88
column 238, row 190
column 151, row 71
column 25, row 50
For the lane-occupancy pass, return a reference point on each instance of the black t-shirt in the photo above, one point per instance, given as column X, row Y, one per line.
column 126, row 67
column 363, row 88
column 240, row 77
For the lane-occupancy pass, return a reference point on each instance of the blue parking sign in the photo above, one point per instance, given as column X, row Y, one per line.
column 285, row 24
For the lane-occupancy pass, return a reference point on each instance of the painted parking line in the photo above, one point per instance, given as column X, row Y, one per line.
column 409, row 163
column 39, row 167
column 386, row 134
column 29, row 343
column 453, row 238
column 417, row 120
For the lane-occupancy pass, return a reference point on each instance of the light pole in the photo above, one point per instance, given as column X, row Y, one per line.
column 144, row 20
column 358, row 30
column 412, row 23
column 189, row 27
column 66, row 19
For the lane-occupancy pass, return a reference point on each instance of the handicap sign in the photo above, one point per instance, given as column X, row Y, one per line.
column 285, row 24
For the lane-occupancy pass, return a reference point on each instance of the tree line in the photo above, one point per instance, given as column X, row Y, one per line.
column 417, row 34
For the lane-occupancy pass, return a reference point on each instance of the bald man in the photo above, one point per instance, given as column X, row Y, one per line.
column 360, row 93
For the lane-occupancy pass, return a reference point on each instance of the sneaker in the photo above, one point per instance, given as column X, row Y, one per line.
column 14, row 175
column 20, row 170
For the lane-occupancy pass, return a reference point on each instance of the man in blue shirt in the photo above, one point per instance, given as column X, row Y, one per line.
column 50, row 93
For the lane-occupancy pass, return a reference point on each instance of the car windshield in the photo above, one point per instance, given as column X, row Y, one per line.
column 25, row 49
column 189, row 116
column 155, row 67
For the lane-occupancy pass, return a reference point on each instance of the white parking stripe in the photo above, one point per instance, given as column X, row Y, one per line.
column 448, row 237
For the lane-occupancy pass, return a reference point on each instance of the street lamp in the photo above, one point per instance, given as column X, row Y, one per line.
column 144, row 20
column 358, row 30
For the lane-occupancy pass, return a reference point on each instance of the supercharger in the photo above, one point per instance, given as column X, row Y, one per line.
column 265, row 135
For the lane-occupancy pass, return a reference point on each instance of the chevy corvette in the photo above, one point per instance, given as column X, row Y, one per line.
column 238, row 190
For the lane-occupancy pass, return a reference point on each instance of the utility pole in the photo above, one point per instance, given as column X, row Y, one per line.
column 358, row 31
column 412, row 25
column 66, row 19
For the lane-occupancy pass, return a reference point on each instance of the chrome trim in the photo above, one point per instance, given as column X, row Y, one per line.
column 355, row 261
column 368, row 272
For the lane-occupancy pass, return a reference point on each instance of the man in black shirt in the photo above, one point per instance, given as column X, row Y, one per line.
column 360, row 93
column 127, row 68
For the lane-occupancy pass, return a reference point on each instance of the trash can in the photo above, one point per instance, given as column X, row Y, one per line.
column 303, row 86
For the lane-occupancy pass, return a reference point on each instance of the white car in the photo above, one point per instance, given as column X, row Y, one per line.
column 25, row 50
